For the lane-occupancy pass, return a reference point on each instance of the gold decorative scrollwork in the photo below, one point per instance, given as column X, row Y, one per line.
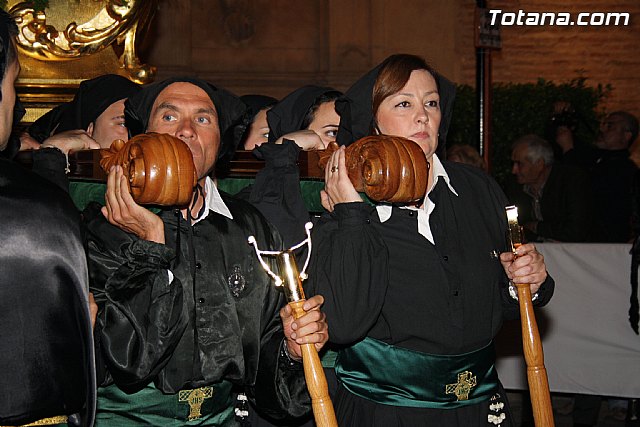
column 117, row 22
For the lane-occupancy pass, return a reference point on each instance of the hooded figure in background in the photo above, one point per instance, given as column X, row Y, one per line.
column 92, row 120
column 276, row 191
column 47, row 360
column 93, row 97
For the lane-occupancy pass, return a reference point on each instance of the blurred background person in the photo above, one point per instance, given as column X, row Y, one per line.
column 464, row 153
column 554, row 200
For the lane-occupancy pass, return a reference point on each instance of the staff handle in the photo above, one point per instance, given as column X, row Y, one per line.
column 534, row 357
column 316, row 381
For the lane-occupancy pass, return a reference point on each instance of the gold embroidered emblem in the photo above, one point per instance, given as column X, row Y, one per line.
column 195, row 398
column 466, row 381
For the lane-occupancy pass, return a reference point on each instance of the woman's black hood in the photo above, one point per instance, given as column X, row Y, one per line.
column 288, row 115
column 229, row 107
column 356, row 108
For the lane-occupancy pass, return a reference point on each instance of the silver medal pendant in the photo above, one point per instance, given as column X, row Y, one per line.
column 236, row 281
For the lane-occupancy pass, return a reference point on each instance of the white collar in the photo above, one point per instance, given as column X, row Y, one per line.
column 384, row 211
column 213, row 201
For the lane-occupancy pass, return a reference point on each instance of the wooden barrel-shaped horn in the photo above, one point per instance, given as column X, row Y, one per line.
column 159, row 168
column 386, row 168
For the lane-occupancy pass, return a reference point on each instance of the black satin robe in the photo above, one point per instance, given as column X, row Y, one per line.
column 46, row 345
column 192, row 333
column 386, row 281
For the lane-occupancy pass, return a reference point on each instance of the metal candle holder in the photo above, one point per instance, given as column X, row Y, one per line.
column 291, row 282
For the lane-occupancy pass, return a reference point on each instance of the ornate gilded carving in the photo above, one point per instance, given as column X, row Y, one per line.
column 117, row 22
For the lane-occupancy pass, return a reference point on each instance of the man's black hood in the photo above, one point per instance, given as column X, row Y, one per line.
column 229, row 107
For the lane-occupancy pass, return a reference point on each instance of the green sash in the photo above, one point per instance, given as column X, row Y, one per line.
column 206, row 406
column 392, row 375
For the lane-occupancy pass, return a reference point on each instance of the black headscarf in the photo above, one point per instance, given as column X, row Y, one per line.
column 229, row 107
column 93, row 97
column 257, row 103
column 356, row 109
column 288, row 115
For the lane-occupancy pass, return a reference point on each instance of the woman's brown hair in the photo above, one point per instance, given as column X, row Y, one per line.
column 394, row 74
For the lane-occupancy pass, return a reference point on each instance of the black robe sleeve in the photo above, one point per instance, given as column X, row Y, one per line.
column 276, row 191
column 280, row 388
column 50, row 163
column 142, row 316
column 511, row 308
column 350, row 269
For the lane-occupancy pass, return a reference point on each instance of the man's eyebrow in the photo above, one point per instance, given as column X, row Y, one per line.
column 167, row 106
column 207, row 110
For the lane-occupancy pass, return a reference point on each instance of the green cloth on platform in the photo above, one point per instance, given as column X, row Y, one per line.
column 84, row 192
column 150, row 407
column 396, row 376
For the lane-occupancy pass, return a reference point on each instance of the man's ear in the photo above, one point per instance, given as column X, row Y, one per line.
column 90, row 129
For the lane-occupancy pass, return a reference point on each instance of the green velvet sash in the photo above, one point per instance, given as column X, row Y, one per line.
column 392, row 375
column 150, row 407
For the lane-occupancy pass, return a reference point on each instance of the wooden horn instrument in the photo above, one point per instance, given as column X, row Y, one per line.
column 386, row 168
column 159, row 168
column 531, row 342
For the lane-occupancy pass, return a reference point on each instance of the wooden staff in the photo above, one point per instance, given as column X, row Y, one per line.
column 313, row 373
column 531, row 342
column 323, row 412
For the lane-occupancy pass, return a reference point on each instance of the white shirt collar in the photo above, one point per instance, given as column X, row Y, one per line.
column 384, row 211
column 213, row 201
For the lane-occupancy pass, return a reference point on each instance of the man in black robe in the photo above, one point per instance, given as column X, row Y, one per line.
column 186, row 310
column 45, row 328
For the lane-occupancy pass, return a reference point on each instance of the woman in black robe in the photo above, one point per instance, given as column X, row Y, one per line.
column 416, row 293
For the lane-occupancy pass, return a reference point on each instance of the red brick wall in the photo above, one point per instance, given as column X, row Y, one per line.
column 603, row 54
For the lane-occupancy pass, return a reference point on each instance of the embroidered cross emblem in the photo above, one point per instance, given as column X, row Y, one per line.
column 466, row 381
column 195, row 398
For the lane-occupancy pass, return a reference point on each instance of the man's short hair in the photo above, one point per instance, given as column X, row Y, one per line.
column 8, row 33
column 630, row 123
column 537, row 148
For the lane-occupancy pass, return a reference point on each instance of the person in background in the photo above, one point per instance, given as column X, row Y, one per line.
column 92, row 120
column 303, row 120
column 554, row 200
column 463, row 153
column 612, row 176
column 258, row 130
